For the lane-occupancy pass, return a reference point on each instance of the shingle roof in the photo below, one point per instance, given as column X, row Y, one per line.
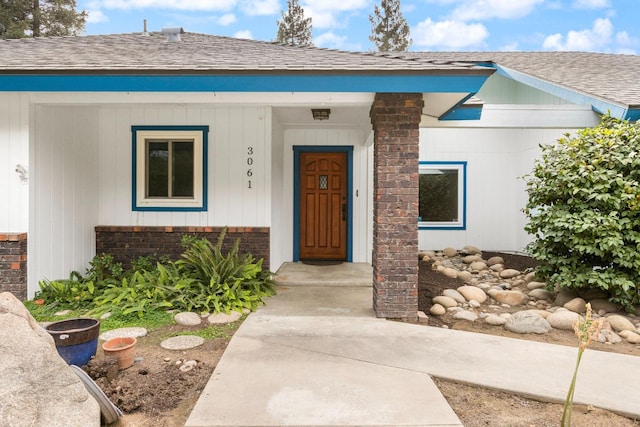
column 197, row 53
column 611, row 77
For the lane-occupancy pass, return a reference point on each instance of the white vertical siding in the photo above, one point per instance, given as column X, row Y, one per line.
column 232, row 130
column 496, row 159
column 14, row 150
column 64, row 201
column 82, row 163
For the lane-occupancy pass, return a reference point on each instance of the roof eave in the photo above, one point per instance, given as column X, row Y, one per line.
column 598, row 104
column 469, row 81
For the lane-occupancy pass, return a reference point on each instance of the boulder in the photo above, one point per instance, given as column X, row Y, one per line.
column 452, row 293
column 437, row 310
column 465, row 276
column 444, row 301
column 564, row 296
column 509, row 273
column 527, row 322
column 495, row 260
column 603, row 305
column 541, row 294
column 471, row 250
column 620, row 323
column 577, row 305
column 563, row 319
column 188, row 319
column 472, row 293
column 450, row 252
column 37, row 387
column 507, row 297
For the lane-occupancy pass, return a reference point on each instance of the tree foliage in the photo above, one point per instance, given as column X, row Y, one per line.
column 584, row 211
column 35, row 18
column 389, row 30
column 294, row 28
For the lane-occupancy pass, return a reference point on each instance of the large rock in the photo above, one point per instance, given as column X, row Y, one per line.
column 577, row 305
column 563, row 319
column 444, row 301
column 507, row 297
column 509, row 273
column 472, row 293
column 450, row 252
column 527, row 322
column 37, row 387
column 620, row 323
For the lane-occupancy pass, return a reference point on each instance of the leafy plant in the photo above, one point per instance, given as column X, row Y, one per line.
column 222, row 282
column 73, row 293
column 144, row 291
column 584, row 211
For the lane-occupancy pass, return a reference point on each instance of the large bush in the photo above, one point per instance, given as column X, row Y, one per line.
column 584, row 211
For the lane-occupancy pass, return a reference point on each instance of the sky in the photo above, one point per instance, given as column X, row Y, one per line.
column 436, row 25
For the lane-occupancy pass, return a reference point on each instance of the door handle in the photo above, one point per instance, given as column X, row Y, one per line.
column 344, row 211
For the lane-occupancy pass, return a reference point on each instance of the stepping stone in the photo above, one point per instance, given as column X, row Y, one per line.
column 188, row 319
column 221, row 318
column 182, row 342
column 123, row 333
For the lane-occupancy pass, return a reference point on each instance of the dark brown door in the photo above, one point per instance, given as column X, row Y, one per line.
column 323, row 206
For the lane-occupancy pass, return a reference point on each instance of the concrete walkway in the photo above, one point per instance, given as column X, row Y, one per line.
column 317, row 356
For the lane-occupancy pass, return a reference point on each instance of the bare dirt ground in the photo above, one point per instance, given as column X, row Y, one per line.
column 155, row 392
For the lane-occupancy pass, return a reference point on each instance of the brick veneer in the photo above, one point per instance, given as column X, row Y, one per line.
column 13, row 264
column 396, row 119
column 128, row 243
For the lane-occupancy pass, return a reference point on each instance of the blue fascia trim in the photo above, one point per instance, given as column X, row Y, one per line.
column 297, row 149
column 205, row 166
column 389, row 83
column 633, row 114
column 464, row 195
column 463, row 112
column 598, row 105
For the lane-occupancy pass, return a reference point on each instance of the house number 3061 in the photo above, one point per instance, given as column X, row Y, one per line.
column 249, row 164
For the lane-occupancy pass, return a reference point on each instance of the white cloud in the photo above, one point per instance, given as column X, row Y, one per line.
column 449, row 35
column 591, row 4
column 598, row 36
column 169, row 4
column 474, row 10
column 329, row 40
column 261, row 7
column 96, row 16
column 226, row 19
column 244, row 34
column 332, row 13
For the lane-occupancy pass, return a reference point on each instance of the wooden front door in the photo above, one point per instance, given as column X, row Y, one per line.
column 323, row 206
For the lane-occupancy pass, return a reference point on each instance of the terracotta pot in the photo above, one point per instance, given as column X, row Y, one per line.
column 123, row 348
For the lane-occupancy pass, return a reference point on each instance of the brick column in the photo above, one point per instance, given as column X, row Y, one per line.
column 395, row 119
column 13, row 264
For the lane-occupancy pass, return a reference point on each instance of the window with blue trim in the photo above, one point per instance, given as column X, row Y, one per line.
column 169, row 168
column 442, row 191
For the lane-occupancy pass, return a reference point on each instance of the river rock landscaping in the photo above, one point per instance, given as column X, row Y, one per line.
column 499, row 290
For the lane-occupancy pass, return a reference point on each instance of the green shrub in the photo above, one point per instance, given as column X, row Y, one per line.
column 584, row 211
column 221, row 283
column 205, row 279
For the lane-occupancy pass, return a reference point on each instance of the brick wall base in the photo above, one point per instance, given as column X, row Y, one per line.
column 396, row 119
column 129, row 243
column 13, row 264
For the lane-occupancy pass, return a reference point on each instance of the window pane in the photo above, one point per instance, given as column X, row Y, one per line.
column 183, row 168
column 157, row 169
column 439, row 195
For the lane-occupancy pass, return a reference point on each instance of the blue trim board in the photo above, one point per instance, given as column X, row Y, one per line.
column 243, row 83
column 463, row 112
column 464, row 195
column 205, row 167
column 598, row 105
column 297, row 149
